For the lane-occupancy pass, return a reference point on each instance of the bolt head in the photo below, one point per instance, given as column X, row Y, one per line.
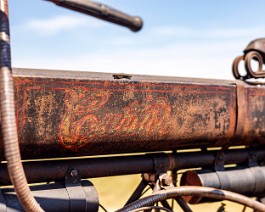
column 74, row 173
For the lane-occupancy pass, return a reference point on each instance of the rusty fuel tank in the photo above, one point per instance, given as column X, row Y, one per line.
column 63, row 113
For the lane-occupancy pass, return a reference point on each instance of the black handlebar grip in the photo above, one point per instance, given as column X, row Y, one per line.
column 103, row 12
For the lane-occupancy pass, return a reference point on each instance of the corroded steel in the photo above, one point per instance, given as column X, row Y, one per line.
column 90, row 114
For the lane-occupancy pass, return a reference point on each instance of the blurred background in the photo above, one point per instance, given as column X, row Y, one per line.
column 179, row 38
column 189, row 38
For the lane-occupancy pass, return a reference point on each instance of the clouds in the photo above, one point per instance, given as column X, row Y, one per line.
column 202, row 60
column 57, row 24
column 209, row 32
column 61, row 23
column 205, row 52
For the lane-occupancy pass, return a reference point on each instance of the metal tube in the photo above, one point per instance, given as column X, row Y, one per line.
column 45, row 171
column 8, row 117
column 54, row 197
column 249, row 183
column 103, row 12
column 55, row 116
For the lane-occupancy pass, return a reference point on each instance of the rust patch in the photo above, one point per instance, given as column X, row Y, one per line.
column 84, row 122
column 99, row 117
column 255, row 124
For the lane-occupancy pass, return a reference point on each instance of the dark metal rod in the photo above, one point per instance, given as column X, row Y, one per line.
column 138, row 192
column 183, row 204
column 102, row 11
column 45, row 171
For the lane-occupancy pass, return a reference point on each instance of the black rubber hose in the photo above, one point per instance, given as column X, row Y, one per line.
column 194, row 191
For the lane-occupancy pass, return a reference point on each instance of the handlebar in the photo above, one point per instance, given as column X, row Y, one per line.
column 103, row 12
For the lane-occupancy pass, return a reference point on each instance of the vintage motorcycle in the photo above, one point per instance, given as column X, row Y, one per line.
column 214, row 128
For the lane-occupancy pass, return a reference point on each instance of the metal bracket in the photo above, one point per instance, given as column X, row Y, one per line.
column 219, row 161
column 220, row 170
column 75, row 191
column 252, row 159
column 161, row 163
column 241, row 109
column 122, row 76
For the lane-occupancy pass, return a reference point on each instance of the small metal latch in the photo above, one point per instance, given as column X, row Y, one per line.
column 122, row 76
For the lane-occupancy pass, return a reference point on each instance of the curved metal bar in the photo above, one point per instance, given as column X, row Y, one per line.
column 159, row 208
column 248, row 58
column 235, row 68
column 8, row 117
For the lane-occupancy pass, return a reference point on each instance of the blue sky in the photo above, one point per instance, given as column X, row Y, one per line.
column 186, row 38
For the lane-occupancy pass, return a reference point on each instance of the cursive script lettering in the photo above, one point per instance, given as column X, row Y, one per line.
column 87, row 118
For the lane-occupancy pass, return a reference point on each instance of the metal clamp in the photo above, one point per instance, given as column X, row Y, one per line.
column 241, row 109
column 220, row 170
column 75, row 191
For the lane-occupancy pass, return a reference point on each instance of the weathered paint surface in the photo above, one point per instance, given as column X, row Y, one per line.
column 255, row 124
column 84, row 117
